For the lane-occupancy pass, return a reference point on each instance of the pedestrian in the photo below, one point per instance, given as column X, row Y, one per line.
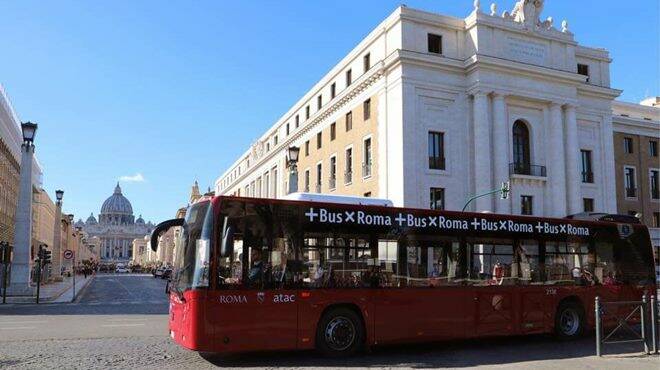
column 85, row 272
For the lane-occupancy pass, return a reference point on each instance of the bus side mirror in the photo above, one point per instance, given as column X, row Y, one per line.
column 227, row 245
column 161, row 228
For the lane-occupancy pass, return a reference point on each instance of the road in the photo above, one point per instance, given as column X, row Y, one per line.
column 120, row 322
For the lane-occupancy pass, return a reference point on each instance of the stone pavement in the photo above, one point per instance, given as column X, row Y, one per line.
column 56, row 292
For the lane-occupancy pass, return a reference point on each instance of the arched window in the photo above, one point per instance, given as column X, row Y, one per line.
column 521, row 153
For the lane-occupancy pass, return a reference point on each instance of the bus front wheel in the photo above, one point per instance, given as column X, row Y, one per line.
column 569, row 320
column 339, row 333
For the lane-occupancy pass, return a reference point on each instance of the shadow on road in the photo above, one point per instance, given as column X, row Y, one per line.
column 495, row 351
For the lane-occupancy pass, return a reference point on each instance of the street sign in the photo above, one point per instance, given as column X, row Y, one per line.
column 68, row 254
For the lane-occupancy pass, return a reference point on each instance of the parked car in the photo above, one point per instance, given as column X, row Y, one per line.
column 159, row 272
column 167, row 273
column 122, row 270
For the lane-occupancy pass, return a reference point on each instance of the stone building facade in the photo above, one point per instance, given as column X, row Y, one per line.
column 116, row 228
column 455, row 107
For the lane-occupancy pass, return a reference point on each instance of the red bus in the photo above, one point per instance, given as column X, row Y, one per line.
column 263, row 274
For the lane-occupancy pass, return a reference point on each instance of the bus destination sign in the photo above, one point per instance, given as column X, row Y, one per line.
column 402, row 219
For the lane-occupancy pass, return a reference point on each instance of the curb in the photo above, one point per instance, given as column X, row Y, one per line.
column 83, row 288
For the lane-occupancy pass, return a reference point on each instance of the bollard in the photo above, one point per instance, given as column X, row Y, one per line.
column 598, row 324
column 654, row 324
column 643, row 322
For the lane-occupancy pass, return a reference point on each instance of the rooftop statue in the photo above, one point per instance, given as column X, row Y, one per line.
column 528, row 13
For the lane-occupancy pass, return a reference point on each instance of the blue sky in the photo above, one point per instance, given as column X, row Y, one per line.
column 175, row 91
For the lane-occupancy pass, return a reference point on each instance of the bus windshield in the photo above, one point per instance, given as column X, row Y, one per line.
column 193, row 249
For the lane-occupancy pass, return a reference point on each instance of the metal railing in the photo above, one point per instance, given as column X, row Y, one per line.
column 631, row 192
column 332, row 183
column 645, row 312
column 318, row 188
column 348, row 177
column 588, row 177
column 526, row 169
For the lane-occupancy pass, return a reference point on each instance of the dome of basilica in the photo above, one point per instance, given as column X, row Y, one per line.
column 91, row 220
column 117, row 204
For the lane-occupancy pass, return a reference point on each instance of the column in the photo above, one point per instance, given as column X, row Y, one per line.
column 56, row 255
column 482, row 153
column 556, row 163
column 573, row 175
column 500, row 149
column 20, row 264
column 609, row 168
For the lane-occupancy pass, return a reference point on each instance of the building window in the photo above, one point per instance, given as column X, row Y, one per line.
column 267, row 147
column 588, row 204
column 349, row 77
column 333, row 131
column 629, row 178
column 275, row 140
column 319, row 140
column 628, row 145
column 521, row 152
column 437, row 198
column 333, row 90
column 319, row 177
column 436, row 150
column 297, row 120
column 366, row 165
column 349, row 121
column 656, row 219
column 583, row 69
column 307, row 112
column 306, row 181
column 526, row 205
column 367, row 109
column 348, row 175
column 333, row 172
column 306, row 148
column 287, row 129
column 319, row 101
column 435, row 43
column 366, row 62
column 587, row 172
column 653, row 148
column 655, row 184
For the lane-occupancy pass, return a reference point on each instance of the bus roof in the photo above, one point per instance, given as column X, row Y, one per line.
column 340, row 199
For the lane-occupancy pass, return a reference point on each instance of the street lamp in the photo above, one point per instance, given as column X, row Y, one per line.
column 20, row 269
column 29, row 130
column 59, row 194
column 57, row 236
column 294, row 151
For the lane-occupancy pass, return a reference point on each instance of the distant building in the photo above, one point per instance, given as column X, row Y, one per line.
column 116, row 227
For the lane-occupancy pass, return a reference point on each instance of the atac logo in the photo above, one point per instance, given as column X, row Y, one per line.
column 233, row 299
column 260, row 297
column 284, row 298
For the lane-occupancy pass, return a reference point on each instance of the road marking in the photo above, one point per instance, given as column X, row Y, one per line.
column 21, row 322
column 19, row 328
column 119, row 325
column 131, row 319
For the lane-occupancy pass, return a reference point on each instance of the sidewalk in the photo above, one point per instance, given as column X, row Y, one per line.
column 55, row 292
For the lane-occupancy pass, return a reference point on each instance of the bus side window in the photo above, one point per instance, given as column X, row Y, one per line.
column 528, row 257
column 230, row 268
column 567, row 263
column 605, row 270
column 387, row 255
column 492, row 262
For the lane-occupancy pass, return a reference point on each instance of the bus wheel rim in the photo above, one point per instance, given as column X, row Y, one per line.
column 569, row 322
column 339, row 333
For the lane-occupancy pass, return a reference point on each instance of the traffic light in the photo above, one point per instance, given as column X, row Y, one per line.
column 505, row 189
column 5, row 252
column 44, row 254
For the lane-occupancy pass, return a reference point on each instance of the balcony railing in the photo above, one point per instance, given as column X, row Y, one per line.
column 631, row 192
column 526, row 169
column 318, row 188
column 437, row 163
column 332, row 182
column 306, row 188
column 655, row 194
column 348, row 177
column 366, row 169
column 588, row 177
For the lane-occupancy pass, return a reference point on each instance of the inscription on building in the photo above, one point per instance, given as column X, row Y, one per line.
column 526, row 50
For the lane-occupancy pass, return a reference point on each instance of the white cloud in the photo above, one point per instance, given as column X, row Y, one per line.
column 135, row 178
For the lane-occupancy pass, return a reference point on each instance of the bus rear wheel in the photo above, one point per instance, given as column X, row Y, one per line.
column 339, row 333
column 569, row 321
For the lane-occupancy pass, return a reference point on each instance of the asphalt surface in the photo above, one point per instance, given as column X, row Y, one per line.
column 120, row 322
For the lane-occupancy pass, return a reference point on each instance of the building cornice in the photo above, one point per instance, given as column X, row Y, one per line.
column 529, row 70
column 598, row 91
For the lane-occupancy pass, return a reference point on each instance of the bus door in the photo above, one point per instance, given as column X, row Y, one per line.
column 419, row 283
column 491, row 267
